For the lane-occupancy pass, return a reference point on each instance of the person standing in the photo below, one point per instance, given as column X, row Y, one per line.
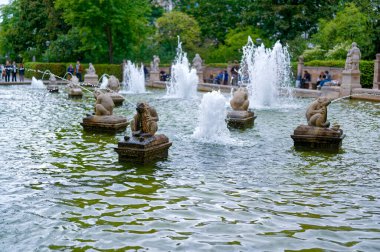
column 78, row 71
column 14, row 72
column 21, row 72
column 8, row 70
column 235, row 73
column 70, row 70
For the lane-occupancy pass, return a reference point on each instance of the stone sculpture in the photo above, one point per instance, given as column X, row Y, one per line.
column 113, row 87
column 354, row 54
column 144, row 145
column 103, row 118
column 52, row 87
column 197, row 62
column 145, row 121
column 113, row 84
column 74, row 87
column 241, row 116
column 316, row 113
column 317, row 135
column 155, row 64
column 104, row 104
column 91, row 78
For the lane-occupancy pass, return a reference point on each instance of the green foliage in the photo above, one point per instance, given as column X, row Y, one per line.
column 232, row 49
column 56, row 68
column 315, row 53
column 349, row 25
column 107, row 28
column 339, row 51
column 171, row 25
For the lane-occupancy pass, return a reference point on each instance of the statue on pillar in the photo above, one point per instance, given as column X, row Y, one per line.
column 197, row 63
column 154, row 65
column 354, row 55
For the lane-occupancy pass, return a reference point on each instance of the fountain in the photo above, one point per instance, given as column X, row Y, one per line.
column 91, row 78
column 37, row 83
column 183, row 81
column 134, row 78
column 211, row 122
column 103, row 119
column 143, row 146
column 266, row 73
column 104, row 83
column 317, row 135
column 74, row 87
column 241, row 116
column 52, row 87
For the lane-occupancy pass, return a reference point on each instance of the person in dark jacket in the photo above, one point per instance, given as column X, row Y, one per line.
column 14, row 72
column 21, row 72
column 8, row 69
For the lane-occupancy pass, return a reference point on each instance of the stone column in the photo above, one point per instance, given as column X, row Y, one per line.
column 300, row 66
column 376, row 74
column 153, row 77
column 200, row 76
column 350, row 81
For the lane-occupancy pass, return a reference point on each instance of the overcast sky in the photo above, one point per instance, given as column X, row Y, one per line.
column 4, row 1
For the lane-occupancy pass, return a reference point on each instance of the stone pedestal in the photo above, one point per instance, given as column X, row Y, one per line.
column 143, row 149
column 240, row 119
column 376, row 73
column 317, row 138
column 53, row 88
column 350, row 81
column 110, row 123
column 91, row 80
column 200, row 76
column 153, row 77
column 117, row 99
column 75, row 92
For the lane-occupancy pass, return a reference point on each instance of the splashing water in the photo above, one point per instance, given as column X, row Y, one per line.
column 37, row 83
column 212, row 126
column 134, row 78
column 266, row 72
column 183, row 81
column 104, row 83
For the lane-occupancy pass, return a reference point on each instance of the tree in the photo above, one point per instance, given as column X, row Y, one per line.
column 106, row 27
column 173, row 24
column 215, row 17
column 349, row 25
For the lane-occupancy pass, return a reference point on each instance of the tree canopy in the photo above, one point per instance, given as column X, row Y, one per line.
column 112, row 30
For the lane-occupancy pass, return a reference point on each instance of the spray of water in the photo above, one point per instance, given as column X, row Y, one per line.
column 184, row 80
column 134, row 78
column 37, row 83
column 104, row 83
column 211, row 123
column 266, row 73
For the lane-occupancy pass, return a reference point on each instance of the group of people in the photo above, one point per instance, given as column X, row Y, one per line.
column 13, row 69
column 77, row 71
column 323, row 78
column 223, row 77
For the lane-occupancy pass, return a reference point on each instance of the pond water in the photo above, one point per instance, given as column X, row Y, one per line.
column 63, row 189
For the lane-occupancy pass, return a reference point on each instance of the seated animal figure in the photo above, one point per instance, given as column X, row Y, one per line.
column 113, row 84
column 144, row 123
column 240, row 99
column 316, row 113
column 104, row 104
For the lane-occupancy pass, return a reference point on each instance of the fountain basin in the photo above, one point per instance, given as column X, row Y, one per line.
column 240, row 119
column 110, row 123
column 317, row 138
column 143, row 149
column 53, row 88
column 118, row 99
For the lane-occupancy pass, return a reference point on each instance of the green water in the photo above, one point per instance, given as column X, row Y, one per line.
column 63, row 189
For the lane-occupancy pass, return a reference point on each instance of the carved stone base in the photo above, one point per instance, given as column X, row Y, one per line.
column 75, row 92
column 240, row 119
column 317, row 138
column 118, row 99
column 350, row 81
column 52, row 88
column 110, row 123
column 143, row 149
column 91, row 79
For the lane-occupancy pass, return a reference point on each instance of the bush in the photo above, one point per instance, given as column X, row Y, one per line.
column 366, row 69
column 56, row 68
column 61, row 68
